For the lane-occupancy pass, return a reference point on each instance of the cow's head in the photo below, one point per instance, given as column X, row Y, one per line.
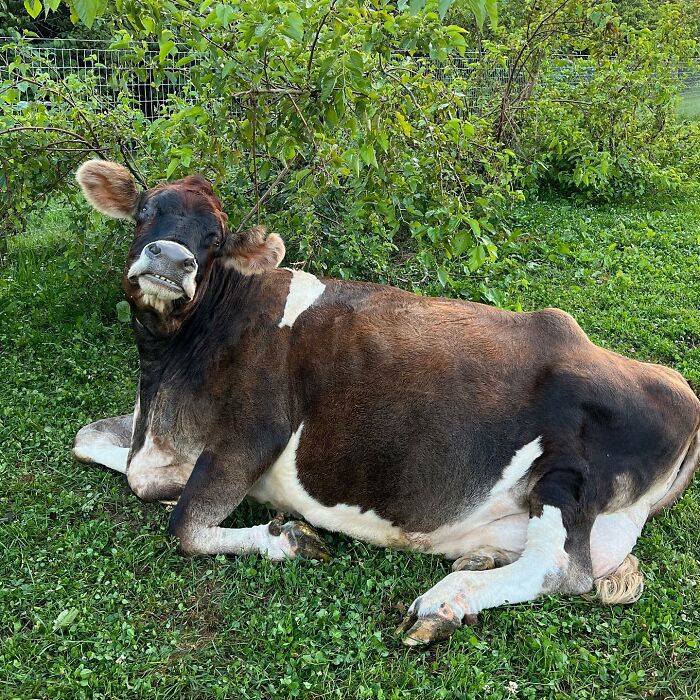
column 181, row 231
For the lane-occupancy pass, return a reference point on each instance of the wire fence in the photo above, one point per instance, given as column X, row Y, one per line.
column 136, row 74
column 114, row 74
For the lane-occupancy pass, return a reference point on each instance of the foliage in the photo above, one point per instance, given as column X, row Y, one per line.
column 350, row 127
column 603, row 123
column 343, row 111
column 96, row 603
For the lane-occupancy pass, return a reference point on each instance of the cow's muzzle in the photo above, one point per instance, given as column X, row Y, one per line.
column 166, row 270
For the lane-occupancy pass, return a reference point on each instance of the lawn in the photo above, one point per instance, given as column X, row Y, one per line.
column 690, row 103
column 96, row 603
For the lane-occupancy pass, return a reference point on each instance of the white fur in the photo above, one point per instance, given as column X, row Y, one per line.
column 613, row 537
column 153, row 467
column 304, row 290
column 281, row 487
column 499, row 521
column 101, row 451
column 245, row 540
column 468, row 592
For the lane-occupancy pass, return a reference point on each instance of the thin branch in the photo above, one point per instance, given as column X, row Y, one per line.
column 266, row 195
column 54, row 129
column 315, row 41
column 253, row 149
column 272, row 91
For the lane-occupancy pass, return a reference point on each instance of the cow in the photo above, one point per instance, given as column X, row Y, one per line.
column 507, row 442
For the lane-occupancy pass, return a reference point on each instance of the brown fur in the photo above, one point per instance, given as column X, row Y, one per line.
column 253, row 251
column 109, row 187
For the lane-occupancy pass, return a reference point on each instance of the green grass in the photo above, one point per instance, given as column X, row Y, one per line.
column 94, row 601
column 690, row 103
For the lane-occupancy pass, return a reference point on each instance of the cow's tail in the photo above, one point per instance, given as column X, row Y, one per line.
column 685, row 474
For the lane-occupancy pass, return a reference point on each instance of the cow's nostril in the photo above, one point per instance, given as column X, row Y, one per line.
column 154, row 248
column 188, row 263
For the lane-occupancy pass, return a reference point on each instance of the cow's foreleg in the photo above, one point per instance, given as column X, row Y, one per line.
column 211, row 494
column 556, row 558
column 105, row 442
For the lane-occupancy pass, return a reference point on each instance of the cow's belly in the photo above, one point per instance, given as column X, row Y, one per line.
column 280, row 486
column 498, row 522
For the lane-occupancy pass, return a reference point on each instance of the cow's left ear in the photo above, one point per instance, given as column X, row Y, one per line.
column 253, row 251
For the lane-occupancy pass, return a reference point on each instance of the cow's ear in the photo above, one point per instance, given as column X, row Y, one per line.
column 109, row 187
column 253, row 251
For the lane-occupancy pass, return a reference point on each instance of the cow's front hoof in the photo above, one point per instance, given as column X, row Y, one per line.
column 419, row 629
column 426, row 630
column 303, row 541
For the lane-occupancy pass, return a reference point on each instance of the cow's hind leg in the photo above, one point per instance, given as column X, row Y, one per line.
column 556, row 559
column 105, row 442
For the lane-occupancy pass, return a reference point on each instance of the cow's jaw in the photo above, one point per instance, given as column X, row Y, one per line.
column 160, row 279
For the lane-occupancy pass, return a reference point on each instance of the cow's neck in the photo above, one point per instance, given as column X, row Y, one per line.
column 177, row 350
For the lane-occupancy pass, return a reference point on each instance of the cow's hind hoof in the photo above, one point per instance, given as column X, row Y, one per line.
column 304, row 541
column 482, row 560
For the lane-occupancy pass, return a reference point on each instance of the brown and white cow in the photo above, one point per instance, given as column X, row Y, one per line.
column 505, row 441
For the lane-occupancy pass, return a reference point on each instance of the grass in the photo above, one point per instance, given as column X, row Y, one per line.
column 95, row 603
column 690, row 103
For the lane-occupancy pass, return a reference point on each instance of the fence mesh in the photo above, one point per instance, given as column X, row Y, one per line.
column 113, row 74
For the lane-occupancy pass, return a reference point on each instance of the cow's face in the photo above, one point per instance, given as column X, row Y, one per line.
column 181, row 231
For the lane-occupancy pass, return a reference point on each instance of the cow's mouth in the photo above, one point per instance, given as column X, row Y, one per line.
column 161, row 281
column 164, row 271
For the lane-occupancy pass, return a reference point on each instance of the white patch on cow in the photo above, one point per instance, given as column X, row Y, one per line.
column 614, row 535
column 99, row 448
column 137, row 410
column 281, row 487
column 518, row 467
column 304, row 290
column 153, row 469
column 543, row 561
column 245, row 540
column 500, row 521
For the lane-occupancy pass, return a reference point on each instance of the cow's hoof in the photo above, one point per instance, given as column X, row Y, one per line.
column 482, row 560
column 418, row 631
column 304, row 541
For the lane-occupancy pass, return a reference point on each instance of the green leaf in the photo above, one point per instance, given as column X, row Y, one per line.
column 123, row 312
column 492, row 11
column 461, row 242
column 33, row 7
column 415, row 6
column 368, row 155
column 478, row 8
column 474, row 226
column 67, row 617
column 288, row 152
column 172, row 167
column 86, row 10
column 165, row 48
column 443, row 7
column 443, row 277
column 294, row 27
